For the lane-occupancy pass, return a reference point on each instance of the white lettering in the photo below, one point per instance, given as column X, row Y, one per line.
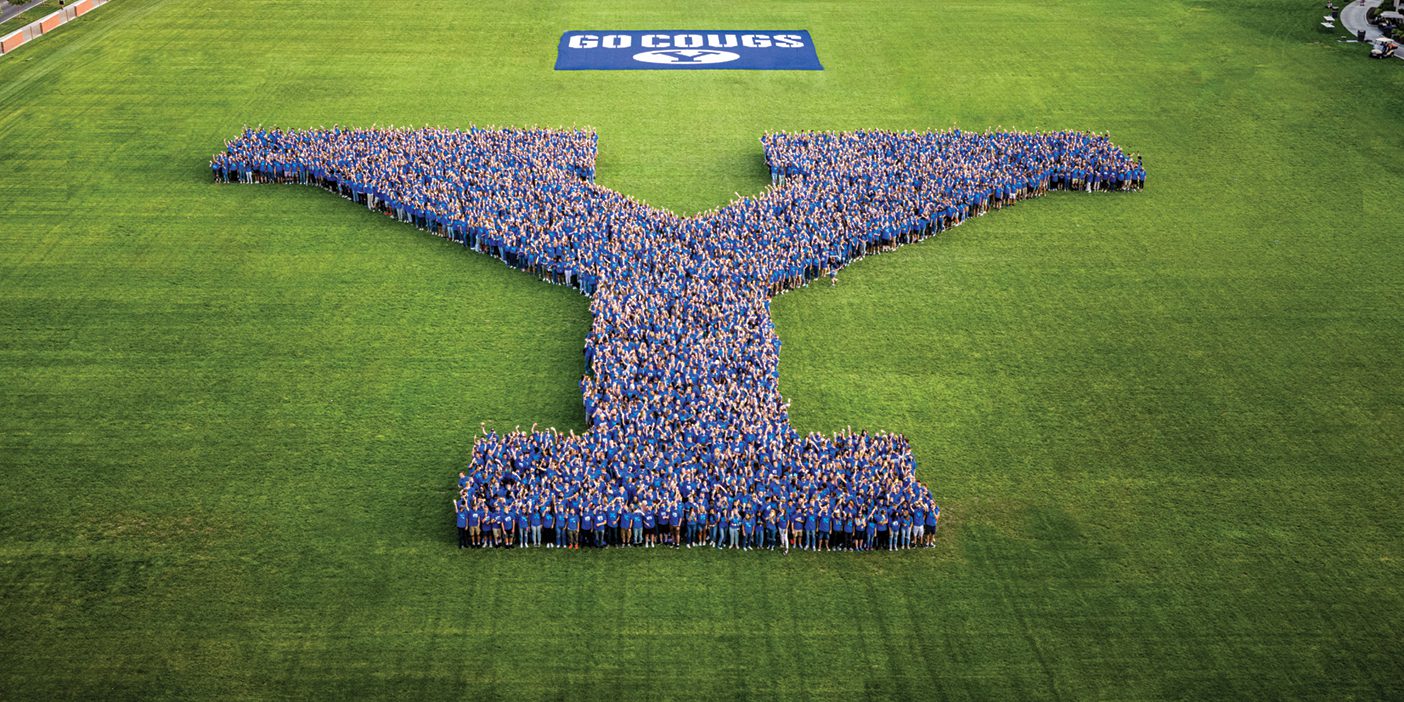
column 755, row 41
column 583, row 41
column 789, row 41
column 721, row 41
column 687, row 41
column 617, row 41
column 649, row 42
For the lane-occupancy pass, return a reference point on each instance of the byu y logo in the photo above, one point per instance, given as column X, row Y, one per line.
column 686, row 56
column 686, row 421
column 761, row 50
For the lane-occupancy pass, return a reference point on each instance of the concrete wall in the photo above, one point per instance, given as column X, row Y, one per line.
column 46, row 24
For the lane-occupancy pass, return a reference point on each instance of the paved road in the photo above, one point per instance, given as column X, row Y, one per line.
column 7, row 10
column 1353, row 17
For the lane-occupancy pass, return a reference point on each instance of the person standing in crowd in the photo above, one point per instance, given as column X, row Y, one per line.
column 460, row 508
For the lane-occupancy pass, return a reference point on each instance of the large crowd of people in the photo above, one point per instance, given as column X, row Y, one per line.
column 689, row 441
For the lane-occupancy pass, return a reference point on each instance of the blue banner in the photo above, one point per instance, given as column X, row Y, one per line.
column 677, row 49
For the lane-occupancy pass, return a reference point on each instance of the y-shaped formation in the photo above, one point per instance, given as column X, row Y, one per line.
column 687, row 425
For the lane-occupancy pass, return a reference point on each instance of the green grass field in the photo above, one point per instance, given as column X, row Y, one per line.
column 1165, row 427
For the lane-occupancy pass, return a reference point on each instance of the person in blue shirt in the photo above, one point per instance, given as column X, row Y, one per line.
column 509, row 527
column 825, row 524
column 601, row 524
column 748, row 530
column 587, row 525
column 536, row 523
column 675, row 518
column 548, row 527
column 573, row 530
column 460, row 508
column 496, row 522
column 691, row 527
column 933, row 517
column 811, row 526
column 665, row 525
column 615, row 535
column 475, row 523
column 650, row 520
column 523, row 530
